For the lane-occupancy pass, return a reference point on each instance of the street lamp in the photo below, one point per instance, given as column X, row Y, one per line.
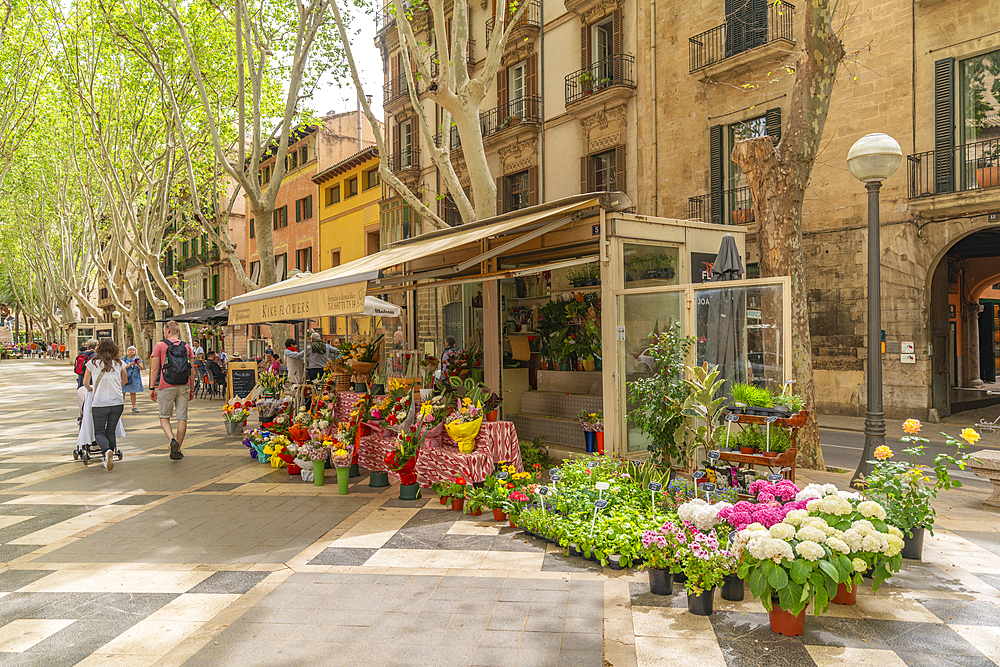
column 871, row 160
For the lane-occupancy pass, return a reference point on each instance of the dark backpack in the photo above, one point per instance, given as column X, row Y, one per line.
column 176, row 365
column 80, row 367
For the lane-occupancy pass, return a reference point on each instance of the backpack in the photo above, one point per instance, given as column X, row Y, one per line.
column 176, row 365
column 80, row 367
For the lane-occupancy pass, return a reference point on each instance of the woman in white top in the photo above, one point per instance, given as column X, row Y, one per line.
column 107, row 401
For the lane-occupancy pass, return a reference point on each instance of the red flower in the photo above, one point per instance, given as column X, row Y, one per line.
column 537, row 466
column 460, row 481
column 237, row 404
column 510, row 486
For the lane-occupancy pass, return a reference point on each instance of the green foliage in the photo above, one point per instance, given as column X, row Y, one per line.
column 534, row 452
column 793, row 402
column 754, row 435
column 704, row 408
column 752, row 396
column 656, row 401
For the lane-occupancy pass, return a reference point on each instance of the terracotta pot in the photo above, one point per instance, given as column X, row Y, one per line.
column 478, row 512
column 741, row 216
column 988, row 177
column 845, row 596
column 769, row 455
column 457, row 504
column 492, row 415
column 444, row 500
column 588, row 365
column 746, row 450
column 783, row 623
column 498, row 515
column 511, row 521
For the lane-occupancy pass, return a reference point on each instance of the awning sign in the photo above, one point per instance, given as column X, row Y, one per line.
column 327, row 302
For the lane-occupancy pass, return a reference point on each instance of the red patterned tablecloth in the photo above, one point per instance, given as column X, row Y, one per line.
column 497, row 441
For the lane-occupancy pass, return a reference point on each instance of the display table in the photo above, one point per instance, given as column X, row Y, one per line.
column 785, row 459
column 497, row 441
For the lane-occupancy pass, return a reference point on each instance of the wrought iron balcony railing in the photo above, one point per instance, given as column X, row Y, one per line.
column 385, row 19
column 470, row 57
column 723, row 207
column 395, row 89
column 531, row 18
column 404, row 160
column 617, row 70
column 522, row 110
column 456, row 138
column 199, row 259
column 974, row 166
column 743, row 30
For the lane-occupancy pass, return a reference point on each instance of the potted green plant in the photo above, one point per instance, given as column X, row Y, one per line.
column 705, row 568
column 705, row 409
column 441, row 489
column 456, row 491
column 664, row 550
column 475, row 498
column 586, row 81
column 988, row 168
column 905, row 489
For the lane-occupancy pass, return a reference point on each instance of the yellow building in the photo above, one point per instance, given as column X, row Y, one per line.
column 349, row 197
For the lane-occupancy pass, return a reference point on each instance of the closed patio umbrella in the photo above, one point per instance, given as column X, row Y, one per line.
column 725, row 345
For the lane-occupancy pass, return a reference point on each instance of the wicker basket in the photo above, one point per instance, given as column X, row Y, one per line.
column 343, row 382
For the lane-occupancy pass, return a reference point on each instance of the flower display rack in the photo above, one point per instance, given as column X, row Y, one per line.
column 782, row 460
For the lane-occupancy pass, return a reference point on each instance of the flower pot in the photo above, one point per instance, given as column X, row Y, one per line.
column 732, row 588
column 579, row 366
column 680, row 577
column 355, row 470
column 511, row 521
column 234, row 428
column 701, row 605
column 478, row 512
column 564, row 365
column 492, row 415
column 457, row 504
column 769, row 455
column 590, row 441
column 741, row 216
column 342, row 481
column 545, row 364
column 783, row 623
column 913, row 547
column 845, row 595
column 746, row 450
column 360, row 387
column 379, row 479
column 444, row 500
column 378, row 389
column 318, row 473
column 575, row 550
column 409, row 492
column 498, row 515
column 988, row 177
column 588, row 365
column 614, row 562
column 599, row 436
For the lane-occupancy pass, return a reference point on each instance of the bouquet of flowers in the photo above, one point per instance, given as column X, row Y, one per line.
column 666, row 548
column 272, row 383
column 237, row 411
column 315, row 450
column 279, row 449
column 464, row 361
column 403, row 459
column 343, row 454
column 364, row 350
column 429, row 364
column 465, row 425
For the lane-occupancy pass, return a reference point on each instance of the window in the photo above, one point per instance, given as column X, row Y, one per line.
column 371, row 179
column 517, row 85
column 280, row 217
column 304, row 154
column 396, row 221
column 746, row 25
column 352, row 187
column 184, row 250
column 304, row 259
column 295, row 159
column 332, row 195
column 251, row 228
column 602, row 40
column 371, row 242
column 281, row 266
column 604, row 171
column 334, row 258
column 406, row 144
column 194, row 246
column 449, row 211
column 729, row 201
column 518, row 190
column 980, row 81
column 254, row 272
column 747, row 129
column 303, row 209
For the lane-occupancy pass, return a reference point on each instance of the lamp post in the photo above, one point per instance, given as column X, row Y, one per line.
column 871, row 160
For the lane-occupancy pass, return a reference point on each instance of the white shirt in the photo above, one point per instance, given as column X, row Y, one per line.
column 109, row 391
column 199, row 350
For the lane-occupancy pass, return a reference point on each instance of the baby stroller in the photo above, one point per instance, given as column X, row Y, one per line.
column 86, row 447
column 91, row 451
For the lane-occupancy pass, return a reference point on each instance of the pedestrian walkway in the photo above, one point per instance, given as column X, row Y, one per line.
column 217, row 560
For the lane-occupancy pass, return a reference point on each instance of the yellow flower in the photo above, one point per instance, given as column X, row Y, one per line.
column 882, row 453
column 970, row 436
column 912, row 426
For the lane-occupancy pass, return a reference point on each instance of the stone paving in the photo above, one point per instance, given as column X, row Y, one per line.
column 217, row 560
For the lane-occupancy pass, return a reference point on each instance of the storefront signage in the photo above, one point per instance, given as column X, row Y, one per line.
column 701, row 266
column 328, row 302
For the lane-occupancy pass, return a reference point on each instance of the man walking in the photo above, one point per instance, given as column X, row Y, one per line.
column 171, row 384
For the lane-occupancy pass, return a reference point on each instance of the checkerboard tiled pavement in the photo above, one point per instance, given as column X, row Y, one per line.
column 218, row 560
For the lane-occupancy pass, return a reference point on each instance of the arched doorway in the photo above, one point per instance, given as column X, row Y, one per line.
column 964, row 329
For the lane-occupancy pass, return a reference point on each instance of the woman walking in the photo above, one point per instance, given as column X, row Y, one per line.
column 133, row 367
column 107, row 400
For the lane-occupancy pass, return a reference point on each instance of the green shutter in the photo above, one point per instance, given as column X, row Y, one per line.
column 944, row 125
column 715, row 171
column 772, row 124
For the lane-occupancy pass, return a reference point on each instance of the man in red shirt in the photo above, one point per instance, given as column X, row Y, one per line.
column 171, row 360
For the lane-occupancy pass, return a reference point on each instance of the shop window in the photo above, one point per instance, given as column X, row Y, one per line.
column 371, row 179
column 304, row 259
column 281, row 266
column 352, row 187
column 647, row 265
column 332, row 195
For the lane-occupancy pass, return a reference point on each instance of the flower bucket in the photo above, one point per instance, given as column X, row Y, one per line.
column 701, row 605
column 733, row 588
column 318, row 469
column 680, row 577
column 599, row 436
column 614, row 562
column 355, row 471
column 409, row 492
column 464, row 434
column 591, row 441
column 498, row 515
column 913, row 547
column 378, row 479
column 343, row 480
column 783, row 623
column 293, row 469
column 234, row 428
column 845, row 595
column 478, row 512
column 457, row 504
column 660, row 582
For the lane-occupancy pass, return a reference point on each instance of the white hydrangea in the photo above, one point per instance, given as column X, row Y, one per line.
column 876, row 542
column 894, row 545
column 782, row 531
column 816, row 522
column 810, row 534
column 813, row 505
column 864, row 527
column 703, row 515
column 835, row 505
column 816, row 491
column 871, row 510
column 810, row 550
column 859, row 565
column 853, row 539
column 768, row 548
column 838, row 545
column 895, row 531
column 796, row 517
column 755, row 526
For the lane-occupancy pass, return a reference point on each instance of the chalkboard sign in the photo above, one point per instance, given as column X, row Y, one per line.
column 600, row 504
column 555, row 475
column 591, row 464
column 655, row 486
column 501, row 475
column 732, row 417
column 242, row 378
column 774, row 476
column 770, row 420
column 543, row 490
column 708, row 488
column 714, row 455
column 699, row 474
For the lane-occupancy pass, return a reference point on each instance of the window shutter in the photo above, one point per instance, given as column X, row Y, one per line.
column 715, row 171
column 616, row 32
column 501, row 199
column 757, row 25
column 251, row 228
column 309, row 207
column 735, row 26
column 585, row 174
column 298, row 210
column 274, row 219
column 619, row 184
column 396, row 148
column 585, row 45
column 532, row 186
column 944, row 125
column 502, row 78
column 284, row 215
column 532, row 75
column 772, row 124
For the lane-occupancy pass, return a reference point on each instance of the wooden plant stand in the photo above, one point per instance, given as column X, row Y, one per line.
column 785, row 459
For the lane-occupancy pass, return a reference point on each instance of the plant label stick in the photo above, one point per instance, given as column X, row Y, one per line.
column 774, row 477
column 502, row 474
column 730, row 418
column 715, row 455
column 542, row 490
column 653, row 488
column 769, row 421
column 601, row 487
column 698, row 475
column 598, row 505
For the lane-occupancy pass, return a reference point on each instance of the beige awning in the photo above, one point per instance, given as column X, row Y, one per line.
column 333, row 301
column 368, row 268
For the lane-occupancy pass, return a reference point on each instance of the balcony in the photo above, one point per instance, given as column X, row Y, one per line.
column 524, row 113
column 404, row 161
column 199, row 259
column 724, row 207
column 962, row 180
column 742, row 41
column 526, row 27
column 456, row 139
column 385, row 19
column 607, row 82
column 470, row 58
column 395, row 92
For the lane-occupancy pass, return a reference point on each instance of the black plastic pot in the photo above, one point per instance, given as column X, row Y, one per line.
column 913, row 547
column 355, row 470
column 660, row 582
column 378, row 389
column 360, row 388
column 680, row 577
column 701, row 605
column 613, row 562
column 378, row 479
column 732, row 588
